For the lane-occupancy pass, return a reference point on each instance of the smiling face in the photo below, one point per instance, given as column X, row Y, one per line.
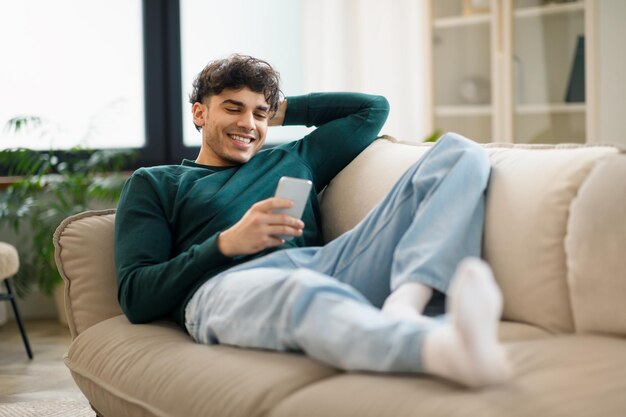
column 234, row 126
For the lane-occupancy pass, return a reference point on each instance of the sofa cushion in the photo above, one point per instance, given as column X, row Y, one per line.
column 528, row 201
column 531, row 189
column 90, row 287
column 595, row 249
column 156, row 370
column 561, row 376
column 510, row 331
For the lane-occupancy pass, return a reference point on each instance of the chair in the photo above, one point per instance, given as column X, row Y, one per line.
column 9, row 265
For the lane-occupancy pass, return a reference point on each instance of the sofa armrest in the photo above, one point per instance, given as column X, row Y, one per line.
column 84, row 257
column 595, row 249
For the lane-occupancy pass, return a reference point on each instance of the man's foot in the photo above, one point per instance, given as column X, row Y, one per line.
column 408, row 302
column 466, row 350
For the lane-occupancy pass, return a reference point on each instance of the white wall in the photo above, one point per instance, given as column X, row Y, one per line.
column 34, row 306
column 611, row 71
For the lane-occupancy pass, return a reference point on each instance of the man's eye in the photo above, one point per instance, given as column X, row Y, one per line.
column 232, row 110
column 261, row 115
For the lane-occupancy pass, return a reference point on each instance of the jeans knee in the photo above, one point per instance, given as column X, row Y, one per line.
column 474, row 156
column 303, row 280
column 478, row 162
column 306, row 285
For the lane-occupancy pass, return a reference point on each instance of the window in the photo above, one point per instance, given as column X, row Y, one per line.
column 117, row 73
column 78, row 66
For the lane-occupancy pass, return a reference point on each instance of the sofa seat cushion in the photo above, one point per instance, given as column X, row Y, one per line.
column 566, row 376
column 156, row 370
column 511, row 330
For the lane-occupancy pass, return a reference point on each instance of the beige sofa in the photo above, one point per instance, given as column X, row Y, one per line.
column 555, row 235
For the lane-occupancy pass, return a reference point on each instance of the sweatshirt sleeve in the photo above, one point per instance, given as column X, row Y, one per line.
column 347, row 123
column 150, row 283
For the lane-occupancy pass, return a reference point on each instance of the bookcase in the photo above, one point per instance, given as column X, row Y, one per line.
column 521, row 70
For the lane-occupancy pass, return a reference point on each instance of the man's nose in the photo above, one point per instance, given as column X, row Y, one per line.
column 246, row 120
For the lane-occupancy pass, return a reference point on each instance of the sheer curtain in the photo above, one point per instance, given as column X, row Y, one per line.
column 372, row 46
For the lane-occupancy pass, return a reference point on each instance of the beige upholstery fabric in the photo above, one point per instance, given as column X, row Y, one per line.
column 510, row 331
column 9, row 261
column 127, row 369
column 528, row 201
column 130, row 370
column 134, row 370
column 564, row 376
column 90, row 287
column 596, row 249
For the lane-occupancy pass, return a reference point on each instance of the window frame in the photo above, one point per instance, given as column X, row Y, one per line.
column 162, row 70
column 162, row 86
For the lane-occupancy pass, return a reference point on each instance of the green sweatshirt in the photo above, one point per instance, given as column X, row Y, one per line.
column 169, row 217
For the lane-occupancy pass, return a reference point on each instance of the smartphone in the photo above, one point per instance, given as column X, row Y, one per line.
column 296, row 190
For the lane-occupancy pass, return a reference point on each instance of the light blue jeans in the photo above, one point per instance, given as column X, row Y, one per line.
column 326, row 300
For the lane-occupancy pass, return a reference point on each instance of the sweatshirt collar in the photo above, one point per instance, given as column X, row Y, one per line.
column 190, row 163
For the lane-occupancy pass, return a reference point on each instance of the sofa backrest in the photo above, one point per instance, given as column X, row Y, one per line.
column 555, row 230
column 531, row 190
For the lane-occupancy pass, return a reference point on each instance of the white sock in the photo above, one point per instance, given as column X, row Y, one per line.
column 407, row 302
column 466, row 350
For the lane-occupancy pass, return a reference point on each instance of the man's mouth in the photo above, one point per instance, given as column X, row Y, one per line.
column 241, row 139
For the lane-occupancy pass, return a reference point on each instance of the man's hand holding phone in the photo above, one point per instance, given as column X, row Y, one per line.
column 269, row 222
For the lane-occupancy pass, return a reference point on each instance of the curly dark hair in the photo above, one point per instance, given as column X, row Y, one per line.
column 236, row 72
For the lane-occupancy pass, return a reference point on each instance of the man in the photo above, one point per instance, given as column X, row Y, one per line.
column 198, row 242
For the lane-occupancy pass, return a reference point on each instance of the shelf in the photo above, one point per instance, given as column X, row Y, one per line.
column 461, row 21
column 485, row 18
column 550, row 108
column 466, row 110
column 485, row 110
column 550, row 9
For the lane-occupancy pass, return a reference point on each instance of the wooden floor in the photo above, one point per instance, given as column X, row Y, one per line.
column 44, row 377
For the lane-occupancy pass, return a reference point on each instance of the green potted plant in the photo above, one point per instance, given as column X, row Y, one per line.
column 50, row 186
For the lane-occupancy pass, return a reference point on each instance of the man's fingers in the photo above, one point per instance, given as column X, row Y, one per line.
column 284, row 219
column 274, row 241
column 273, row 203
column 281, row 230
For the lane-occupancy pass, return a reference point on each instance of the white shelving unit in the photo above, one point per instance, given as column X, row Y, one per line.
column 546, row 108
column 502, row 75
column 550, row 9
column 460, row 21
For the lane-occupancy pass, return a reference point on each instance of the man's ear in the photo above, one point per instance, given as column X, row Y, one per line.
column 198, row 111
